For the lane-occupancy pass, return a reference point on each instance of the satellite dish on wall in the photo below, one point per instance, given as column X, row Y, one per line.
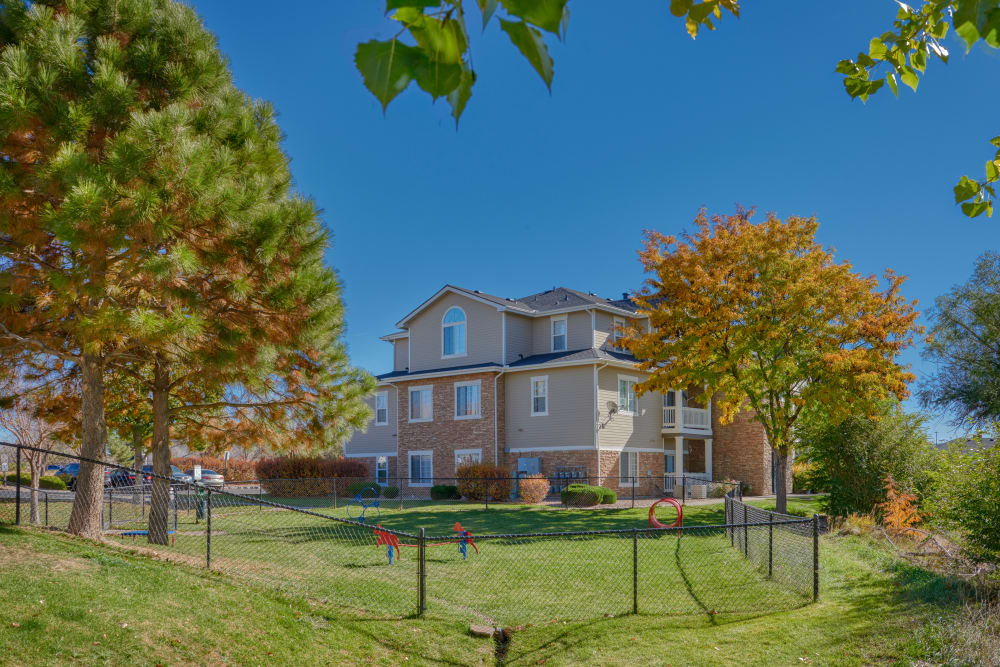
column 612, row 407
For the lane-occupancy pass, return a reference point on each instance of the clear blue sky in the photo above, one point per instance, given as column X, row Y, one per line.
column 643, row 127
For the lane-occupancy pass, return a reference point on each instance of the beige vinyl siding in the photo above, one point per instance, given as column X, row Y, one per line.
column 577, row 332
column 377, row 439
column 399, row 353
column 483, row 333
column 602, row 328
column 642, row 430
column 518, row 337
column 570, row 421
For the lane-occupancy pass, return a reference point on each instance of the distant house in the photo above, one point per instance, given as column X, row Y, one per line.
column 968, row 444
column 538, row 384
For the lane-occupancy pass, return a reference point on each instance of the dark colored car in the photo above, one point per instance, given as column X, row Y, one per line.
column 68, row 473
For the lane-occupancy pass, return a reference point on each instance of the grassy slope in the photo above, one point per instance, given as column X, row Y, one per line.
column 871, row 610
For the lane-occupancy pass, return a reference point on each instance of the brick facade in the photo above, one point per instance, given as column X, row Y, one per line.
column 650, row 468
column 550, row 460
column 445, row 434
column 741, row 451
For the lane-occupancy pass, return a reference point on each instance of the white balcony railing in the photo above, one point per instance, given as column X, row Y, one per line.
column 696, row 419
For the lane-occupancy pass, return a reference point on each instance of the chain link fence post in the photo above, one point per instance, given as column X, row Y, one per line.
column 770, row 545
column 746, row 533
column 815, row 557
column 635, row 570
column 17, row 492
column 421, row 574
column 46, row 509
column 208, row 530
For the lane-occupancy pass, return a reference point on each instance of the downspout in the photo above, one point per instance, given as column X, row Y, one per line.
column 597, row 420
column 496, row 421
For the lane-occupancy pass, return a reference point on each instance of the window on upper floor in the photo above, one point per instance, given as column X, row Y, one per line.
column 627, row 402
column 618, row 325
column 453, row 329
column 540, row 396
column 421, row 404
column 559, row 333
column 467, row 401
column 381, row 408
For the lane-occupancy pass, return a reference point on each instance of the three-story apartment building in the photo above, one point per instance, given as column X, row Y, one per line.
column 537, row 384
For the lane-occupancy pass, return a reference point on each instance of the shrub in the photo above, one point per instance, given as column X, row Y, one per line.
column 852, row 458
column 390, row 492
column 721, row 489
column 584, row 495
column 533, row 488
column 478, row 480
column 238, row 470
column 48, row 482
column 309, row 475
column 445, row 492
column 52, row 483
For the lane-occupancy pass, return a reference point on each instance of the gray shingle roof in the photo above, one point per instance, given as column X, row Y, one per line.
column 573, row 355
column 564, row 297
column 415, row 374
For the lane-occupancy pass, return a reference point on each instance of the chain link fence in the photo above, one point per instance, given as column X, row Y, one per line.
column 323, row 538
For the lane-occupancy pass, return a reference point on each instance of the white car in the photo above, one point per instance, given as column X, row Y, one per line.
column 208, row 478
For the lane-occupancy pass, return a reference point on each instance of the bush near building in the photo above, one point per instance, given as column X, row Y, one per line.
column 533, row 488
column 295, row 476
column 478, row 480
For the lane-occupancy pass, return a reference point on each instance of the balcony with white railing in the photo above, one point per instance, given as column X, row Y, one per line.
column 679, row 416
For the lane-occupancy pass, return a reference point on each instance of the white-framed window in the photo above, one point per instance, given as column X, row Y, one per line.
column 453, row 330
column 468, row 457
column 617, row 328
column 421, row 404
column 627, row 402
column 382, row 470
column 628, row 468
column 468, row 403
column 540, row 396
column 421, row 468
column 669, row 463
column 559, row 333
column 381, row 408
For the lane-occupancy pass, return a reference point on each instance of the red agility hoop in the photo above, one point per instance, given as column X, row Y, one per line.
column 653, row 523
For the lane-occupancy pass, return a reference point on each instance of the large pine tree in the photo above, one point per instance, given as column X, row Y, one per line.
column 148, row 225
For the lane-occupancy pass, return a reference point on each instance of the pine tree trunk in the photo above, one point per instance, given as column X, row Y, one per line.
column 159, row 504
column 781, row 488
column 85, row 518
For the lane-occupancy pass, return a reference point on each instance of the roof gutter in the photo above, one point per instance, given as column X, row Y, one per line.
column 597, row 420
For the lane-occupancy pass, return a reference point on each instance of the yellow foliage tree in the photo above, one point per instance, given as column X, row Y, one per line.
column 762, row 317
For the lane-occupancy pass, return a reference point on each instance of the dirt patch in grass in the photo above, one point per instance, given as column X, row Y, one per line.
column 19, row 556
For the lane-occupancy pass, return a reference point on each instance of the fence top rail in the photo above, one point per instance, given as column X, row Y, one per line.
column 244, row 500
column 629, row 531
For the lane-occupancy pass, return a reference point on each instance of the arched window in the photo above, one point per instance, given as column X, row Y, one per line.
column 453, row 333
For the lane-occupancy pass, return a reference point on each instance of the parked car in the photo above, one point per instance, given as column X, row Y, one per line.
column 208, row 478
column 68, row 473
column 125, row 477
column 52, row 468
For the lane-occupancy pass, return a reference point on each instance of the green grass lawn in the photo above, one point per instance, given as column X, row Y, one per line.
column 509, row 581
column 68, row 600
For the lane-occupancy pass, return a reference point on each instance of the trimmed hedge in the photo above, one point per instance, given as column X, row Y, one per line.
column 585, row 495
column 533, row 488
column 477, row 481
column 297, row 476
column 47, row 482
column 390, row 492
column 445, row 492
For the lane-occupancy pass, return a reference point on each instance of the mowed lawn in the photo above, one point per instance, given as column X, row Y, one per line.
column 73, row 601
column 508, row 581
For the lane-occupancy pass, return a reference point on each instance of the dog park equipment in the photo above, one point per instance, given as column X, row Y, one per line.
column 678, row 523
column 463, row 539
column 364, row 504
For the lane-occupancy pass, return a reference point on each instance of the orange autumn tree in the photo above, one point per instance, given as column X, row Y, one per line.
column 761, row 316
